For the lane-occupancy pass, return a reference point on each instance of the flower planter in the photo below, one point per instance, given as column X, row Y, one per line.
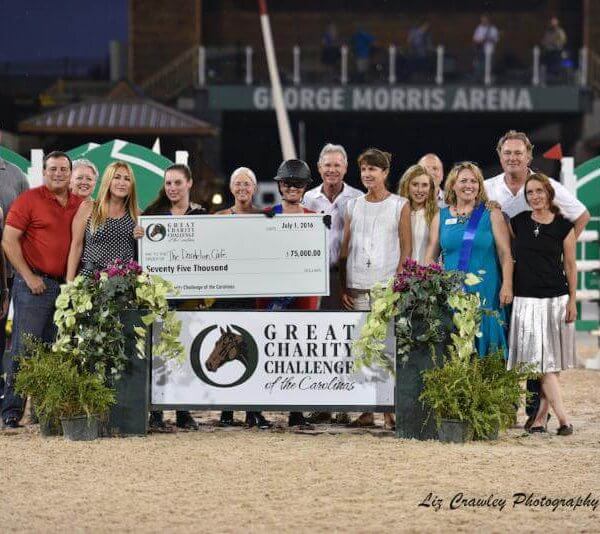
column 80, row 428
column 455, row 431
column 129, row 416
column 50, row 428
column 492, row 434
column 413, row 419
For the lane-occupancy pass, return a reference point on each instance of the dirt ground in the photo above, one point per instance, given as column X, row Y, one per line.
column 240, row 480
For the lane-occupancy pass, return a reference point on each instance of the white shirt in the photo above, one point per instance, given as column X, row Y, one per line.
column 486, row 35
column 316, row 200
column 420, row 235
column 374, row 250
column 496, row 189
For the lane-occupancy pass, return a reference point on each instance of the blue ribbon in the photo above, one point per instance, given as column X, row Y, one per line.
column 469, row 238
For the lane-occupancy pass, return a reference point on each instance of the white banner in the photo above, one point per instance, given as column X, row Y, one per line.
column 241, row 256
column 270, row 359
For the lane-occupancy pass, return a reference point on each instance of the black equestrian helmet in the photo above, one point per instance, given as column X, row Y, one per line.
column 293, row 169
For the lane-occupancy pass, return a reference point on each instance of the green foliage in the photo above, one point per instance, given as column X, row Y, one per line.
column 89, row 323
column 479, row 391
column 418, row 294
column 57, row 386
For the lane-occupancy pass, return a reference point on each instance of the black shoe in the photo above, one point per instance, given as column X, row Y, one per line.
column 531, row 419
column 537, row 429
column 319, row 418
column 298, row 419
column 156, row 421
column 565, row 430
column 228, row 420
column 257, row 419
column 12, row 422
column 185, row 420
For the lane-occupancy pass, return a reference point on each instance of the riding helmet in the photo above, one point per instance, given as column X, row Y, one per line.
column 293, row 169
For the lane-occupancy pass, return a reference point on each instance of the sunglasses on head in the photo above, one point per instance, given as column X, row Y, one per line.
column 298, row 184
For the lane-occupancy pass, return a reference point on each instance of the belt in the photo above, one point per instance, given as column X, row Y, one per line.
column 59, row 279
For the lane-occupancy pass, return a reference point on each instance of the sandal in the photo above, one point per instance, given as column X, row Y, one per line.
column 537, row 429
column 565, row 430
column 362, row 421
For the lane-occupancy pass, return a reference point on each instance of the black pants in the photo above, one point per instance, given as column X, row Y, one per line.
column 3, row 367
column 533, row 402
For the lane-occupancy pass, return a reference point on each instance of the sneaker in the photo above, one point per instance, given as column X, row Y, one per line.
column 185, row 420
column 12, row 422
column 565, row 430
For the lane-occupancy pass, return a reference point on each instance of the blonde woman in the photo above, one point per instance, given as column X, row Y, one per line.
column 475, row 240
column 103, row 230
column 418, row 186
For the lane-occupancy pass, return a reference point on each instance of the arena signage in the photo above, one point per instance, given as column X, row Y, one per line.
column 451, row 99
column 270, row 360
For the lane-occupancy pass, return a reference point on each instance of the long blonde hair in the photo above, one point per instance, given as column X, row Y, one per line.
column 450, row 195
column 100, row 209
column 431, row 207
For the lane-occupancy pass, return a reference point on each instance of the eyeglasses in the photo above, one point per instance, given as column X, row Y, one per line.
column 297, row 184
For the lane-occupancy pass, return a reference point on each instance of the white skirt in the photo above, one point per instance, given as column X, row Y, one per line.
column 540, row 335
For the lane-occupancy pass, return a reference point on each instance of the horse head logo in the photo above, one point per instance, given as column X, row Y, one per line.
column 231, row 345
column 156, row 232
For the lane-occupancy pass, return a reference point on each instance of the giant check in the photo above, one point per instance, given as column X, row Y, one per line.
column 238, row 256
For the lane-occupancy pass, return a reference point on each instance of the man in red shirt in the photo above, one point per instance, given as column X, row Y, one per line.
column 36, row 241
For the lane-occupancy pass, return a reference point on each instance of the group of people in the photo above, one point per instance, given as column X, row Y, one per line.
column 497, row 229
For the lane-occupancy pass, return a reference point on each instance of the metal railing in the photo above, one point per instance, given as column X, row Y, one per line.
column 234, row 65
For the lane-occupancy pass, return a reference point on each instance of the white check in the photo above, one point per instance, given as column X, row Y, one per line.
column 238, row 256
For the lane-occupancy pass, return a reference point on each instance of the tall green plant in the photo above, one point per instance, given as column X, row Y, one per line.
column 58, row 387
column 479, row 391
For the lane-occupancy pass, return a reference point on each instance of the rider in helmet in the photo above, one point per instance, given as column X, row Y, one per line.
column 293, row 178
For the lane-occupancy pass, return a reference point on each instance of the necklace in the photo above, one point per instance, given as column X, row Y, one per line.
column 536, row 225
column 463, row 216
column 369, row 249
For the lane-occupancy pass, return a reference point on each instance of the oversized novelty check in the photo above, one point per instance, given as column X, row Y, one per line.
column 238, row 256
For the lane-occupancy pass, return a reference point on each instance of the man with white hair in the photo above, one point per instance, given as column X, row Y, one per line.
column 433, row 165
column 330, row 198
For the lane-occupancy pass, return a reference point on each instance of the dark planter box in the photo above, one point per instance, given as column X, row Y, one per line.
column 413, row 419
column 129, row 416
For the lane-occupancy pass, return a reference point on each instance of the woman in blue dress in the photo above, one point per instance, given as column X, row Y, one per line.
column 475, row 240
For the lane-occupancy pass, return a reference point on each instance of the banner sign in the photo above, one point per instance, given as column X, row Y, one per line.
column 271, row 360
column 402, row 98
column 240, row 256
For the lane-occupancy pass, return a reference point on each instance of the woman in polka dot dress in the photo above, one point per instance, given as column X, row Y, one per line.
column 102, row 230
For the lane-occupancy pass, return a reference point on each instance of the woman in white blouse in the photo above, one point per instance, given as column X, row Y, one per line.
column 377, row 240
column 418, row 187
